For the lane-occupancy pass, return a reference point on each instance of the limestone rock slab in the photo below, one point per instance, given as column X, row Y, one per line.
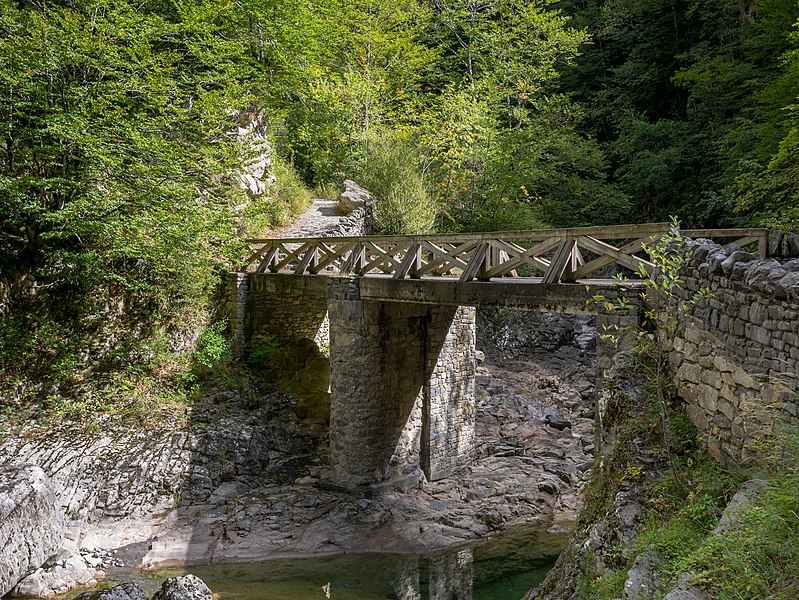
column 31, row 523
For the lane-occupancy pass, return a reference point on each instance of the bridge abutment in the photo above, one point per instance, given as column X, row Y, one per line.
column 289, row 309
column 402, row 389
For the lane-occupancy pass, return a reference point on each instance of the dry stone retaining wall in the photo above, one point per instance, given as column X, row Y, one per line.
column 736, row 354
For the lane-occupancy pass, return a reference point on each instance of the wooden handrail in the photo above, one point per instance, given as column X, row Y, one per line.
column 556, row 255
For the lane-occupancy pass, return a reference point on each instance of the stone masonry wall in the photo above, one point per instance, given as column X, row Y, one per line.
column 238, row 285
column 448, row 442
column 395, row 409
column 736, row 354
column 290, row 309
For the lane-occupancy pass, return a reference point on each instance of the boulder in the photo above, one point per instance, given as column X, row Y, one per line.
column 31, row 522
column 187, row 587
column 556, row 419
column 790, row 246
column 685, row 590
column 739, row 256
column 353, row 197
column 787, row 287
column 742, row 499
column 124, row 591
column 65, row 572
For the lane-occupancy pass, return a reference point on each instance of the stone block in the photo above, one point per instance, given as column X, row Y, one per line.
column 726, row 408
column 738, row 328
column 688, row 392
column 698, row 417
column 694, row 335
column 760, row 334
column 744, row 379
column 757, row 313
column 723, row 365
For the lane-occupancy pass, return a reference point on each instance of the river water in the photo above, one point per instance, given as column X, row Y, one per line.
column 501, row 568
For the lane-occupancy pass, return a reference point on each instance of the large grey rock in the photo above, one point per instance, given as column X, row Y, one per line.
column 187, row 587
column 738, row 256
column 353, row 197
column 124, row 591
column 643, row 580
column 787, row 286
column 742, row 499
column 67, row 571
column 783, row 246
column 685, row 590
column 790, row 246
column 31, row 523
column 249, row 132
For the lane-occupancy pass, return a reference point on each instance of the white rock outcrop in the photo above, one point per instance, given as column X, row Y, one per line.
column 187, row 587
column 353, row 197
column 31, row 523
column 255, row 175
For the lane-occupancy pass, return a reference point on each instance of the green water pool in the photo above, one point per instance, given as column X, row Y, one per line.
column 501, row 568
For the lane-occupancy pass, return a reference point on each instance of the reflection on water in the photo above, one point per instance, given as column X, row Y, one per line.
column 502, row 568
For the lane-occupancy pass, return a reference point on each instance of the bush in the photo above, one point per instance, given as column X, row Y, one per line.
column 285, row 198
column 213, row 348
column 402, row 202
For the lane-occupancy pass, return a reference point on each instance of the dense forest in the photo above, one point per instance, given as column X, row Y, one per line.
column 117, row 192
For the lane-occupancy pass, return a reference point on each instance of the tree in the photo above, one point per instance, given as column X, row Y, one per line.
column 502, row 143
column 113, row 169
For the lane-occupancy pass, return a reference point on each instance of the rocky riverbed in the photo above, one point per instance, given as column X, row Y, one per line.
column 239, row 480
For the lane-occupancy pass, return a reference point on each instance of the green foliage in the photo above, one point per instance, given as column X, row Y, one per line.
column 607, row 586
column 757, row 557
column 402, row 204
column 287, row 197
column 691, row 100
column 263, row 348
column 502, row 149
column 213, row 346
column 112, row 157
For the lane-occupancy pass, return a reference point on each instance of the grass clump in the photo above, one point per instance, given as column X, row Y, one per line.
column 757, row 557
column 402, row 201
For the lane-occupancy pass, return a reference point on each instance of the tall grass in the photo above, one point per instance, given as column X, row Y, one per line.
column 402, row 201
column 758, row 557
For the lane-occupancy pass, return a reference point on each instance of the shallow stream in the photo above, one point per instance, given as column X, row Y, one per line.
column 502, row 568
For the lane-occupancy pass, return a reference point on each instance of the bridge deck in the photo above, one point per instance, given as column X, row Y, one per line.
column 537, row 257
column 518, row 293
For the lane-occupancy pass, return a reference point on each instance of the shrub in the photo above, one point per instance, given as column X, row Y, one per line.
column 286, row 197
column 265, row 350
column 213, row 348
column 402, row 202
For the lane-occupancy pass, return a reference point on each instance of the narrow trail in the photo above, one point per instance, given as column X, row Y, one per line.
column 318, row 220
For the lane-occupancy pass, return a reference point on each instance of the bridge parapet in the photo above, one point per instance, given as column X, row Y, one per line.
column 548, row 255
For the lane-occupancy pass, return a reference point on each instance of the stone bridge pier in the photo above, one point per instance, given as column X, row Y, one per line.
column 402, row 403
column 402, row 360
column 402, row 389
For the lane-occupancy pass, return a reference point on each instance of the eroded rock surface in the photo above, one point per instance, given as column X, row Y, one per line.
column 31, row 522
column 124, row 591
column 241, row 478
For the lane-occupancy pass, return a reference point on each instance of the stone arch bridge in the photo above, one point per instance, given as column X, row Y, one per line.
column 399, row 316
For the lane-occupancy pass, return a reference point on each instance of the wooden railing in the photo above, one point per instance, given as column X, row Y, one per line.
column 554, row 255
